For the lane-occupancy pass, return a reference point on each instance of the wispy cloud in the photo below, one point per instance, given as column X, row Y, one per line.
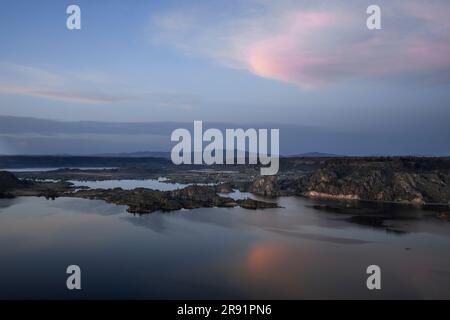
column 25, row 80
column 84, row 98
column 86, row 87
column 312, row 44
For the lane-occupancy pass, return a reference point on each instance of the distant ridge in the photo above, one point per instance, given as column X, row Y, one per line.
column 314, row 155
column 166, row 154
column 138, row 154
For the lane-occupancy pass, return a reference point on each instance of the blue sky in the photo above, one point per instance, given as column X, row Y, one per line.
column 306, row 63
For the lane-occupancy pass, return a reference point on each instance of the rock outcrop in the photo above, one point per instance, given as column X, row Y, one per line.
column 146, row 200
column 409, row 180
column 9, row 183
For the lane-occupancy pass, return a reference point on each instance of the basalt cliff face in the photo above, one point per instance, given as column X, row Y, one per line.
column 410, row 180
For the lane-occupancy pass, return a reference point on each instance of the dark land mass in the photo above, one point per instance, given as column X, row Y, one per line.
column 404, row 180
column 420, row 181
column 314, row 155
column 9, row 182
column 143, row 200
column 140, row 200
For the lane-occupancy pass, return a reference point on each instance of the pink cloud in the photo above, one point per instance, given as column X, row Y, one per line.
column 288, row 55
column 302, row 21
column 304, row 50
column 280, row 58
column 318, row 46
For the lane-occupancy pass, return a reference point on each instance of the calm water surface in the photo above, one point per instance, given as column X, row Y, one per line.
column 54, row 168
column 291, row 252
column 156, row 184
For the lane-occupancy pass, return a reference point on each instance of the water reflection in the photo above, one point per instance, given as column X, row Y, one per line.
column 291, row 252
column 385, row 216
column 5, row 203
column 160, row 184
column 155, row 184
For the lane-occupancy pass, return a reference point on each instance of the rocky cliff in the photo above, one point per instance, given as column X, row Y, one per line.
column 411, row 180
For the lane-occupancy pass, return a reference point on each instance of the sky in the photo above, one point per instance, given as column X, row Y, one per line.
column 308, row 64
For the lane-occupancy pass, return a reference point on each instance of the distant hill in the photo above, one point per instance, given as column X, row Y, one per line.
column 151, row 154
column 166, row 154
column 314, row 155
column 12, row 162
column 138, row 154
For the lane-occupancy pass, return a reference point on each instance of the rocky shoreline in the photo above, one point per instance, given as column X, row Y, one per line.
column 143, row 200
column 418, row 181
column 139, row 200
column 408, row 180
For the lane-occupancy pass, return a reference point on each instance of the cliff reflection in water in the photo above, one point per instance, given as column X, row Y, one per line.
column 292, row 252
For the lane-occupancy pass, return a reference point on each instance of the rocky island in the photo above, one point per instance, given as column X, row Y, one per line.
column 139, row 200
column 143, row 200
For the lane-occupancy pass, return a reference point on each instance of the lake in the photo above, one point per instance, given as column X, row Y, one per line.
column 160, row 184
column 229, row 253
column 156, row 184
